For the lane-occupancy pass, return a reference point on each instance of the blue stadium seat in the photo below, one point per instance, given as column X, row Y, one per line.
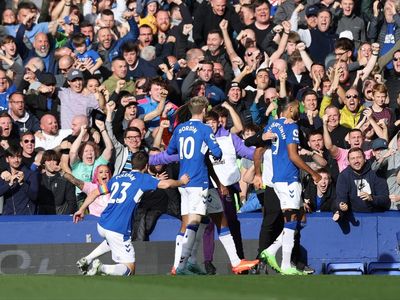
column 357, row 268
column 384, row 268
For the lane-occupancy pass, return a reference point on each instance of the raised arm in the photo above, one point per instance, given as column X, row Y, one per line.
column 108, row 150
column 237, row 123
column 296, row 159
column 333, row 149
column 73, row 152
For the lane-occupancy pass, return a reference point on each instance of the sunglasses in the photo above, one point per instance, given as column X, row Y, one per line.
column 351, row 96
column 29, row 141
column 396, row 58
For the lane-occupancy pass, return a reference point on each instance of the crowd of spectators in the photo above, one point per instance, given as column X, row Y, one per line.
column 86, row 84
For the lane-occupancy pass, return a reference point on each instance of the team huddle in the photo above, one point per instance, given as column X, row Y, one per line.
column 194, row 142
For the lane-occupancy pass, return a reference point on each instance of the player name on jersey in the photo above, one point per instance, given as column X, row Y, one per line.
column 188, row 128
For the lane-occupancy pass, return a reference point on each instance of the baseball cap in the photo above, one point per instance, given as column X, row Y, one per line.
column 346, row 34
column 234, row 85
column 47, row 79
column 312, row 10
column 379, row 144
column 74, row 74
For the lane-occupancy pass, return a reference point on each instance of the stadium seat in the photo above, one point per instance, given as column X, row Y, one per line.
column 357, row 268
column 384, row 268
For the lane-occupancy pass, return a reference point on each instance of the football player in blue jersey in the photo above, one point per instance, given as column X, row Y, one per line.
column 286, row 165
column 191, row 140
column 114, row 225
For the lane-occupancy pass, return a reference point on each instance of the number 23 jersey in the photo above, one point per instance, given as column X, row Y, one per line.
column 125, row 190
column 191, row 140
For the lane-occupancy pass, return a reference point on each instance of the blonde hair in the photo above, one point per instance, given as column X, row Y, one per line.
column 197, row 104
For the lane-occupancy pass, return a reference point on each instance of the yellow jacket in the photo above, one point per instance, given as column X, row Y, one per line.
column 347, row 118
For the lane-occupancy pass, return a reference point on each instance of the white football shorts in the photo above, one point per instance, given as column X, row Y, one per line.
column 122, row 250
column 193, row 201
column 289, row 194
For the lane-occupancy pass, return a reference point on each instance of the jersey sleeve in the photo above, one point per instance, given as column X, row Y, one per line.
column 292, row 134
column 149, row 183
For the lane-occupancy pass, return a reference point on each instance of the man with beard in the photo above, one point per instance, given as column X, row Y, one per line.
column 359, row 189
column 204, row 71
column 45, row 100
column 41, row 49
column 109, row 48
column 74, row 102
column 286, row 164
column 18, row 185
column 216, row 53
column 239, row 105
column 24, row 120
column 52, row 136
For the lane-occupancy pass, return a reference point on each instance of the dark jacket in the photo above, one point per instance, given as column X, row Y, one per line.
column 350, row 183
column 57, row 196
column 20, row 199
column 41, row 104
column 205, row 20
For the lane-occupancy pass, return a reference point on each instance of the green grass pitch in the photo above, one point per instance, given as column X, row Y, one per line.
column 19, row 287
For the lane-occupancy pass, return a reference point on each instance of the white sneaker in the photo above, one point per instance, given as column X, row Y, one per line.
column 95, row 269
column 83, row 265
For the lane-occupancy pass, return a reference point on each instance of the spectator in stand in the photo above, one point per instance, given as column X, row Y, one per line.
column 208, row 16
column 23, row 120
column 320, row 42
column 118, row 80
column 50, row 136
column 45, row 99
column 57, row 195
column 10, row 59
column 204, row 71
column 27, row 143
column 18, row 185
column 65, row 63
column 101, row 176
column 137, row 66
column 74, row 102
column 6, row 88
column 350, row 21
column 84, row 157
column 320, row 196
column 359, row 189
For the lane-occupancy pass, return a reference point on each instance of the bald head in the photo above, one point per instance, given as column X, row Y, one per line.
column 49, row 124
column 77, row 122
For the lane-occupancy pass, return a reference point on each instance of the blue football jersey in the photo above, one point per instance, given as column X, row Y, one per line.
column 191, row 140
column 284, row 169
column 125, row 190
